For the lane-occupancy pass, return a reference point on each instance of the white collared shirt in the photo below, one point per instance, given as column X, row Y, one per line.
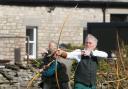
column 76, row 54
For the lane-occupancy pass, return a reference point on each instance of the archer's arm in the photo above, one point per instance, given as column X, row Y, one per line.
column 98, row 53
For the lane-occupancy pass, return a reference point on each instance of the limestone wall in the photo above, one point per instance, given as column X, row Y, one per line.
column 49, row 22
column 14, row 19
column 17, row 79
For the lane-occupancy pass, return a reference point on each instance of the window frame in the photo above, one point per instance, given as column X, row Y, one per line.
column 33, row 42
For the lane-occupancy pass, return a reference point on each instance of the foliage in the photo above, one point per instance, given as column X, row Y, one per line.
column 114, row 70
column 74, row 65
column 69, row 47
column 126, row 50
column 103, row 65
column 37, row 62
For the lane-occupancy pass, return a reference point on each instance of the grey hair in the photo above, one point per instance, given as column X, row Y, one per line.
column 52, row 46
column 53, row 42
column 90, row 36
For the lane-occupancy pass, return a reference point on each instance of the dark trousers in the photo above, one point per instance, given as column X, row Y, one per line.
column 50, row 85
column 81, row 86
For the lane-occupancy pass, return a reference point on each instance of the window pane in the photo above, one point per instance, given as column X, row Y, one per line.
column 30, row 48
column 119, row 17
column 29, row 32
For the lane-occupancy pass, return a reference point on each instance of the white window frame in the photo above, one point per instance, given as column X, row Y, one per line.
column 34, row 42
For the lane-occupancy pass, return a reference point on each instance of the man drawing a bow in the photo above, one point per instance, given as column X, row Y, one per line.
column 48, row 70
column 85, row 75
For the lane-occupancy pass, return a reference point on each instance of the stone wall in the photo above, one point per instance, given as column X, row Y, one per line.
column 50, row 21
column 17, row 79
column 14, row 19
column 12, row 48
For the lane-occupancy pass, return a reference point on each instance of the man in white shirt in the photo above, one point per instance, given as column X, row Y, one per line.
column 85, row 75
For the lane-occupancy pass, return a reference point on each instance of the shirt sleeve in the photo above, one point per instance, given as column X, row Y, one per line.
column 98, row 53
column 51, row 70
column 76, row 54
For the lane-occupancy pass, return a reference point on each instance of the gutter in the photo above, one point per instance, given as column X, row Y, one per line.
column 67, row 3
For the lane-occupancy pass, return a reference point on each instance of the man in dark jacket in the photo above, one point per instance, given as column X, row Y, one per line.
column 54, row 73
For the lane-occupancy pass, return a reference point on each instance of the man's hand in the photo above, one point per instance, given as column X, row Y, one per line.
column 57, row 53
column 40, row 70
column 86, row 52
column 60, row 53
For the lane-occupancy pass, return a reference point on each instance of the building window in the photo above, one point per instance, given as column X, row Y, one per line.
column 119, row 17
column 31, row 32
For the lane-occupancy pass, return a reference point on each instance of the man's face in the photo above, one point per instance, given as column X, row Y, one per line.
column 90, row 44
column 52, row 47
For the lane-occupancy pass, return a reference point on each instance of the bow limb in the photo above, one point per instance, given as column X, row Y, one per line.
column 31, row 81
column 36, row 76
column 62, row 27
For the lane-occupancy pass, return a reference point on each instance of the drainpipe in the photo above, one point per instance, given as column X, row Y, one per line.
column 27, row 50
column 104, row 14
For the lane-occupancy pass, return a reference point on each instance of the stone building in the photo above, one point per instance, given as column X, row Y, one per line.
column 42, row 21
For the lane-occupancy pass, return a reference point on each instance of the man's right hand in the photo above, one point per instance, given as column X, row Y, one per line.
column 86, row 52
column 60, row 53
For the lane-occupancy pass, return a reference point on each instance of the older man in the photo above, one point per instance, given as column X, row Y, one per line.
column 85, row 74
column 49, row 70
